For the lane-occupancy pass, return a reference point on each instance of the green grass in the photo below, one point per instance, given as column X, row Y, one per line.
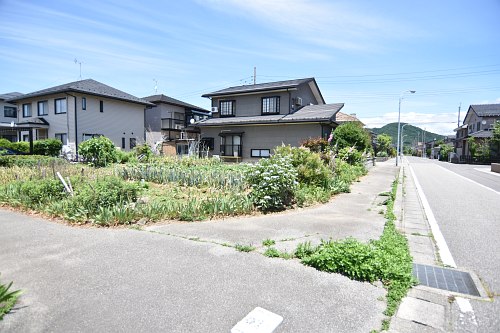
column 244, row 248
column 7, row 298
column 268, row 242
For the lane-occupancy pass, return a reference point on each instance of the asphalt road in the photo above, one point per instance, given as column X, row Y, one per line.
column 468, row 214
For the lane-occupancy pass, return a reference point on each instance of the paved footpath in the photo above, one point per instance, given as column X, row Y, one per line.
column 156, row 280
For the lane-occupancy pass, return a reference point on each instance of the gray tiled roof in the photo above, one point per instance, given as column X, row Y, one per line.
column 309, row 113
column 10, row 95
column 173, row 101
column 482, row 134
column 259, row 87
column 88, row 86
column 485, row 110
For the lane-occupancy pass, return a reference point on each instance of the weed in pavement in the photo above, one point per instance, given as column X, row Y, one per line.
column 268, row 242
column 244, row 248
column 7, row 298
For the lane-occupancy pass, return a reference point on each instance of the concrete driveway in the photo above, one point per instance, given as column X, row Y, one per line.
column 123, row 280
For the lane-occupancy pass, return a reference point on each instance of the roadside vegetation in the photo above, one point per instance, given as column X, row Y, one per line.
column 113, row 187
column 8, row 298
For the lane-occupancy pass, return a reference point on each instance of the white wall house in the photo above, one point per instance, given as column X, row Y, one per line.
column 77, row 111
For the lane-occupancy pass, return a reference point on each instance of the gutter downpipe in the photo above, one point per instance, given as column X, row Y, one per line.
column 76, row 127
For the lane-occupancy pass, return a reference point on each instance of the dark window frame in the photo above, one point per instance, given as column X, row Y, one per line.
column 28, row 107
column 101, row 106
column 223, row 112
column 84, row 103
column 60, row 137
column 133, row 143
column 123, row 143
column 65, row 105
column 276, row 105
column 231, row 146
column 12, row 109
column 260, row 153
column 45, row 108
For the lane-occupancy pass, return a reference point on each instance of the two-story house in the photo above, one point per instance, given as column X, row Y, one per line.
column 8, row 116
column 170, row 122
column 77, row 111
column 478, row 123
column 249, row 121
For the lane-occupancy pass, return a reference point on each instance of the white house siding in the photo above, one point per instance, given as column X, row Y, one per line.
column 264, row 136
column 118, row 117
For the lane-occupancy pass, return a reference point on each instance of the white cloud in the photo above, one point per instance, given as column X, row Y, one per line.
column 442, row 123
column 330, row 24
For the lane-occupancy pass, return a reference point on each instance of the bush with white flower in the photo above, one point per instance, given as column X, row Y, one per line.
column 273, row 182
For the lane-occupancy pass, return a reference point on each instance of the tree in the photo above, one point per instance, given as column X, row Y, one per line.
column 496, row 136
column 384, row 143
column 99, row 151
column 351, row 134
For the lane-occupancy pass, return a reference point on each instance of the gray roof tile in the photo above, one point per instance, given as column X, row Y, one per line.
column 173, row 101
column 10, row 95
column 88, row 86
column 485, row 110
column 259, row 87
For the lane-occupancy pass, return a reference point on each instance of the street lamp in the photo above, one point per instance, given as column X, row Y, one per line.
column 402, row 138
column 399, row 122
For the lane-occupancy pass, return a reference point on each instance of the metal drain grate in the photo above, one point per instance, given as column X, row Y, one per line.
column 446, row 279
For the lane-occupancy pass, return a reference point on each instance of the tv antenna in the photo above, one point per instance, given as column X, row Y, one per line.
column 156, row 85
column 80, row 63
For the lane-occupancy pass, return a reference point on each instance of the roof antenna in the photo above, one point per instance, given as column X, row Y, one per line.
column 80, row 63
column 156, row 85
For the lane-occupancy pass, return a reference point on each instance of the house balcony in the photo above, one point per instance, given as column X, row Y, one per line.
column 171, row 124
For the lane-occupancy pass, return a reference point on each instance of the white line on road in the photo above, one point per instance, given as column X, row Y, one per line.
column 488, row 171
column 444, row 251
column 470, row 180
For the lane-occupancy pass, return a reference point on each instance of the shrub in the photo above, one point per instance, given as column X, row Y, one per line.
column 316, row 145
column 33, row 193
column 352, row 134
column 144, row 152
column 351, row 155
column 273, row 182
column 311, row 169
column 47, row 147
column 21, row 146
column 99, row 151
column 382, row 154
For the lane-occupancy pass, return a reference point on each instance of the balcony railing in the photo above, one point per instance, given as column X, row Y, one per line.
column 172, row 124
column 229, row 150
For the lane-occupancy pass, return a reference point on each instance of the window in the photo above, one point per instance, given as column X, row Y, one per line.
column 43, row 108
column 101, row 106
column 478, row 126
column 84, row 103
column 227, row 108
column 86, row 137
column 207, row 143
column 27, row 110
column 63, row 137
column 26, row 137
column 123, row 143
column 133, row 143
column 10, row 111
column 60, row 105
column 270, row 105
column 265, row 153
column 231, row 145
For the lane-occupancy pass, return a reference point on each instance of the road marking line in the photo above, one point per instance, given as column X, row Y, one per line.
column 470, row 180
column 444, row 251
column 488, row 171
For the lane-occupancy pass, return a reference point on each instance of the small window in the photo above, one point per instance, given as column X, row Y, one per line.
column 86, row 137
column 10, row 111
column 264, row 153
column 478, row 126
column 208, row 143
column 133, row 143
column 26, row 137
column 63, row 137
column 43, row 108
column 27, row 110
column 270, row 105
column 123, row 143
column 60, row 106
column 101, row 106
column 227, row 108
column 84, row 103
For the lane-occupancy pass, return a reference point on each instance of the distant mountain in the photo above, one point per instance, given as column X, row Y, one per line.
column 411, row 133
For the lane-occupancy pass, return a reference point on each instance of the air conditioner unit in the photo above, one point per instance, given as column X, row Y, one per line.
column 298, row 101
column 215, row 109
column 179, row 127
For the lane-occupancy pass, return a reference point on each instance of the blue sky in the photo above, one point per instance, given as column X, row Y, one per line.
column 362, row 53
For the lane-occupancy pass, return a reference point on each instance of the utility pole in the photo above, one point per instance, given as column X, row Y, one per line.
column 458, row 122
column 254, row 75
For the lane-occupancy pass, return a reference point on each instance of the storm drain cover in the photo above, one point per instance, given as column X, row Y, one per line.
column 446, row 279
